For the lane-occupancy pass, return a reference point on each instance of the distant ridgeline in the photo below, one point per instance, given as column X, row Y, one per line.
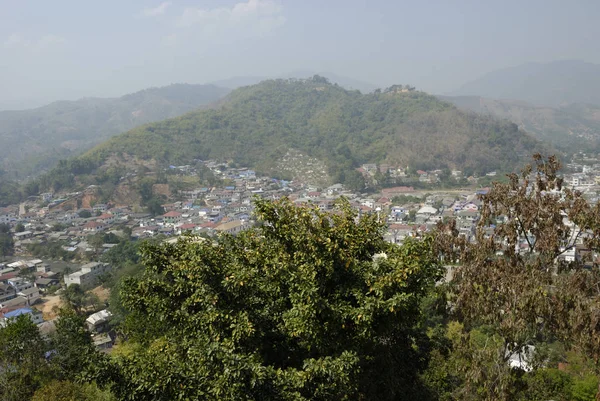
column 34, row 140
column 256, row 125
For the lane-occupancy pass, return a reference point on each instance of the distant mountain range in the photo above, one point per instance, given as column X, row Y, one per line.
column 553, row 84
column 257, row 125
column 571, row 127
column 34, row 140
column 345, row 82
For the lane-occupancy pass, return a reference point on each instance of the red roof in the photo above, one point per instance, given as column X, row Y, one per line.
column 8, row 276
column 172, row 214
column 105, row 216
column 187, row 226
column 93, row 224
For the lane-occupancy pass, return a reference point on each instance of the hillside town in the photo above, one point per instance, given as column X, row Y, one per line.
column 29, row 277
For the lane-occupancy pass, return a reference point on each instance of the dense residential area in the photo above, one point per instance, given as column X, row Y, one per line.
column 55, row 245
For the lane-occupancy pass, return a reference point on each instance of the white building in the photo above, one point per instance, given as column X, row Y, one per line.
column 88, row 275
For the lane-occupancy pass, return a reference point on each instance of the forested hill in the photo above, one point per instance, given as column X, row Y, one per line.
column 33, row 140
column 257, row 125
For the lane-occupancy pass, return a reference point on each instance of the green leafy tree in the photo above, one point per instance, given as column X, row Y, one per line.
column 7, row 245
column 74, row 298
column 74, row 356
column 22, row 365
column 301, row 308
column 66, row 390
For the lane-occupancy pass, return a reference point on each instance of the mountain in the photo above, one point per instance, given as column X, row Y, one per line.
column 545, row 84
column 258, row 125
column 345, row 82
column 571, row 127
column 33, row 140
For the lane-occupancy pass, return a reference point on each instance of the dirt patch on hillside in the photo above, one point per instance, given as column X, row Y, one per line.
column 102, row 293
column 50, row 301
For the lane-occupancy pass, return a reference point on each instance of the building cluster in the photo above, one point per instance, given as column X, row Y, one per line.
column 209, row 211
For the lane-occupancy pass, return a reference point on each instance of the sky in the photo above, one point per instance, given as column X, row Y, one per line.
column 69, row 49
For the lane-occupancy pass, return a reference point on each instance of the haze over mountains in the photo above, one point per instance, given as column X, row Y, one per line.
column 35, row 139
column 547, row 100
column 546, row 84
column 558, row 102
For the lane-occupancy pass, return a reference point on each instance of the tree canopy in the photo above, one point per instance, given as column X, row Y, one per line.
column 309, row 306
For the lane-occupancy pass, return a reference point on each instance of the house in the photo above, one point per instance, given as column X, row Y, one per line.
column 35, row 316
column 7, row 292
column 42, row 268
column 32, row 295
column 106, row 218
column 172, row 217
column 186, row 227
column 20, row 283
column 93, row 227
column 43, row 283
column 232, row 227
column 103, row 341
column 98, row 322
column 13, row 304
column 100, row 207
column 426, row 211
column 88, row 275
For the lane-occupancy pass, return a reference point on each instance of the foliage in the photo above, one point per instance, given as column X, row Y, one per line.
column 51, row 250
column 514, row 283
column 297, row 309
column 22, row 366
column 69, row 391
column 74, row 356
column 258, row 124
column 34, row 140
column 7, row 245
column 404, row 199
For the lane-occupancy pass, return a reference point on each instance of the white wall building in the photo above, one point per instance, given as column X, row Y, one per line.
column 88, row 275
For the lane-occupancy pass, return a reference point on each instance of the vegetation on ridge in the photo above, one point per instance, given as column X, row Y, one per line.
column 258, row 124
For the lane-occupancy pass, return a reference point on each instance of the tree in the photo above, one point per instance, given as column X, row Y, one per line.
column 513, row 286
column 74, row 356
column 308, row 306
column 155, row 207
column 85, row 214
column 19, row 228
column 22, row 364
column 73, row 297
column 7, row 245
column 69, row 391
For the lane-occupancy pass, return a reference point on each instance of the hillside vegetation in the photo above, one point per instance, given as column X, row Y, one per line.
column 34, row 140
column 570, row 127
column 257, row 125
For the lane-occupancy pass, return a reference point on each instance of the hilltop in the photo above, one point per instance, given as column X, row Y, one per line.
column 34, row 140
column 569, row 127
column 257, row 125
column 545, row 84
column 344, row 82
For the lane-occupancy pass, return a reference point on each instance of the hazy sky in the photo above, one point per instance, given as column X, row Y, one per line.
column 57, row 49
